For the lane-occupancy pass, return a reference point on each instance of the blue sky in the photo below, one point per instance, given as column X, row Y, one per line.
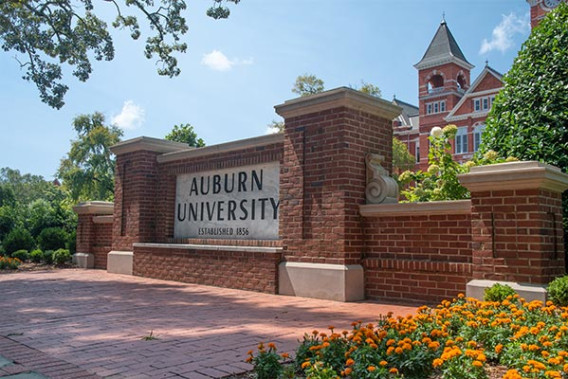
column 236, row 70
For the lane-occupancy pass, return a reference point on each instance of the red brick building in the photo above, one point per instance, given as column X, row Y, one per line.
column 446, row 94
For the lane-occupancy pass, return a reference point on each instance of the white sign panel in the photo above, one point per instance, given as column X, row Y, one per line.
column 236, row 203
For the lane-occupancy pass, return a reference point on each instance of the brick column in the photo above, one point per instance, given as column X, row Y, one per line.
column 517, row 222
column 87, row 242
column 136, row 194
column 322, row 184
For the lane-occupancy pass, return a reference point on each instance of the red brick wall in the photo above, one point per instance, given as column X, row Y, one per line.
column 518, row 235
column 102, row 244
column 422, row 258
column 322, row 182
column 136, row 195
column 253, row 271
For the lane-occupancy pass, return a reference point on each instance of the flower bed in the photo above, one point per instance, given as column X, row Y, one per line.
column 463, row 338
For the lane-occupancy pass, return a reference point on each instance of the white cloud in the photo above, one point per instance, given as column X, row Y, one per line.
column 502, row 36
column 130, row 117
column 218, row 61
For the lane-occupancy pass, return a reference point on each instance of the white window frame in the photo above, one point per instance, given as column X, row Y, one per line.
column 461, row 141
column 477, row 136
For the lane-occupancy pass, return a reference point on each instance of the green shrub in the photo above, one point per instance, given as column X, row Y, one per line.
column 498, row 292
column 52, row 239
column 558, row 291
column 71, row 244
column 61, row 256
column 7, row 263
column 48, row 257
column 18, row 239
column 36, row 256
column 21, row 255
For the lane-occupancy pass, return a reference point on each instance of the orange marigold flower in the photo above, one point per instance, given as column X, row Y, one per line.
column 248, row 360
column 383, row 363
column 393, row 370
column 512, row 374
column 348, row 371
column 350, row 362
column 271, row 345
column 249, row 352
column 260, row 346
column 285, row 355
column 437, row 363
column 371, row 368
column 498, row 349
column 306, row 364
column 315, row 332
column 565, row 368
column 398, row 350
column 391, row 342
column 477, row 364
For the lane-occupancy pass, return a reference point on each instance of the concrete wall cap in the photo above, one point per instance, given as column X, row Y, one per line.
column 149, row 144
column 107, row 219
column 250, row 249
column 94, row 207
column 416, row 209
column 514, row 176
column 339, row 97
column 223, row 147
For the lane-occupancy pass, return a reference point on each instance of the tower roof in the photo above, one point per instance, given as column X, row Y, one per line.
column 443, row 49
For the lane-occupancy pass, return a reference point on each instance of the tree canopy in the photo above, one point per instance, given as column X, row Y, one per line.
column 307, row 84
column 184, row 133
column 45, row 34
column 529, row 118
column 88, row 170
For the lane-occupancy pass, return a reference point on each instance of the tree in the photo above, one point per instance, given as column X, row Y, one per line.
column 370, row 89
column 44, row 34
column 529, row 118
column 88, row 170
column 307, row 85
column 184, row 133
column 402, row 160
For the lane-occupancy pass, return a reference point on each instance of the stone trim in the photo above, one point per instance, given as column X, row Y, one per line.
column 249, row 249
column 476, row 289
column 103, row 219
column 150, row 144
column 339, row 97
column 416, row 209
column 515, row 176
column 322, row 281
column 223, row 147
column 94, row 207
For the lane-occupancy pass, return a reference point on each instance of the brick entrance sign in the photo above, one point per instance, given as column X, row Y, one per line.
column 290, row 213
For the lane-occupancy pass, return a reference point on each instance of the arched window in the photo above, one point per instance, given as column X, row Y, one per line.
column 435, row 83
column 462, row 83
column 477, row 134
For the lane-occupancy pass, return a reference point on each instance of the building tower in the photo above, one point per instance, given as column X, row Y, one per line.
column 539, row 9
column 443, row 79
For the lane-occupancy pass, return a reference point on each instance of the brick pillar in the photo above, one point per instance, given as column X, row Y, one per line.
column 87, row 232
column 322, row 184
column 135, row 196
column 517, row 222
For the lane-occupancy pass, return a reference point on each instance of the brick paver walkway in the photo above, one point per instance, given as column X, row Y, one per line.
column 89, row 324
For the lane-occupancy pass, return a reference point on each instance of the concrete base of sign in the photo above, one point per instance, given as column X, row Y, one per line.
column 322, row 281
column 120, row 262
column 84, row 260
column 476, row 289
